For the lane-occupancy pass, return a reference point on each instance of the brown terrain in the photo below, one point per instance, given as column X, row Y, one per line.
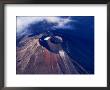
column 32, row 58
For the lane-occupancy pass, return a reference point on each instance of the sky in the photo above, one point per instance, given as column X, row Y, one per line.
column 23, row 22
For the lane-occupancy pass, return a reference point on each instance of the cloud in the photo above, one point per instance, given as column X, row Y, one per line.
column 24, row 22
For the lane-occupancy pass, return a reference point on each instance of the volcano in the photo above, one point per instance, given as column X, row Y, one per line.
column 55, row 45
column 32, row 58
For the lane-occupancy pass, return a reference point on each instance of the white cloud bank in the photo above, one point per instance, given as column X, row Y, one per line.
column 23, row 22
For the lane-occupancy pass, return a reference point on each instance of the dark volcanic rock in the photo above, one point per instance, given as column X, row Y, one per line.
column 32, row 58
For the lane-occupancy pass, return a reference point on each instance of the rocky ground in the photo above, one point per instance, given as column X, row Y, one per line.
column 32, row 58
